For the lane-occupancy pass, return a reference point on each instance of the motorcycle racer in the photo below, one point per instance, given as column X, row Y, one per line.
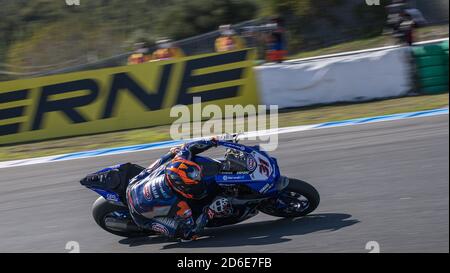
column 181, row 193
column 159, row 197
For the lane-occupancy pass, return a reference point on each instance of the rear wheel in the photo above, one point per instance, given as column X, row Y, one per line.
column 298, row 199
column 116, row 219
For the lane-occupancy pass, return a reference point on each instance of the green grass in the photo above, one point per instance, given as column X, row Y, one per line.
column 300, row 116
column 425, row 33
column 359, row 110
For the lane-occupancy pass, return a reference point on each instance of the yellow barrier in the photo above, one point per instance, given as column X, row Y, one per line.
column 119, row 98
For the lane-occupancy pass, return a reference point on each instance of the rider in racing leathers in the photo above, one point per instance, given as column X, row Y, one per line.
column 160, row 197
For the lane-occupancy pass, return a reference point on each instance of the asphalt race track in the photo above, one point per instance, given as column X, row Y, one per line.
column 386, row 182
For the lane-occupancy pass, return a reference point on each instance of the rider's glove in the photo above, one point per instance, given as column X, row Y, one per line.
column 186, row 230
column 214, row 140
column 189, row 231
column 186, row 240
column 220, row 207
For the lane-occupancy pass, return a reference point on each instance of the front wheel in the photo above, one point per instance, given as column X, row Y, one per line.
column 116, row 219
column 298, row 199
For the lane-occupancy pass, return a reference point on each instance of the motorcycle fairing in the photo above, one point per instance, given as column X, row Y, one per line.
column 261, row 179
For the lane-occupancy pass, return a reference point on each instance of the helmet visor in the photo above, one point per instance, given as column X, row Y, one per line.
column 194, row 173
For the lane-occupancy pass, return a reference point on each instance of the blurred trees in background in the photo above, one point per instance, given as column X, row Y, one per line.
column 311, row 23
column 49, row 32
column 30, row 30
column 188, row 18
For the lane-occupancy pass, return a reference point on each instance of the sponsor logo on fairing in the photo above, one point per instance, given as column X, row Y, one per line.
column 112, row 197
column 160, row 228
column 236, row 147
column 265, row 188
column 251, row 163
column 264, row 167
column 231, row 177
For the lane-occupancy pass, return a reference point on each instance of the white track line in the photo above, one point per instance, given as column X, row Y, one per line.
column 167, row 144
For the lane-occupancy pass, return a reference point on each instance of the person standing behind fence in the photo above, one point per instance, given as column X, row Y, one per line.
column 228, row 40
column 276, row 42
column 167, row 50
column 406, row 28
column 403, row 20
column 140, row 54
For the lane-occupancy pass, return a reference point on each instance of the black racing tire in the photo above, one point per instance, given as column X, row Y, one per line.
column 303, row 188
column 101, row 208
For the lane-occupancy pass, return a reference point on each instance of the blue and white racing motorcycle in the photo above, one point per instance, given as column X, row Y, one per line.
column 248, row 176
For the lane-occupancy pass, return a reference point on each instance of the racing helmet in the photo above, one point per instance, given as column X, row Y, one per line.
column 185, row 177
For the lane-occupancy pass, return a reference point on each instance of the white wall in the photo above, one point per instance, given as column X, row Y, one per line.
column 358, row 77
